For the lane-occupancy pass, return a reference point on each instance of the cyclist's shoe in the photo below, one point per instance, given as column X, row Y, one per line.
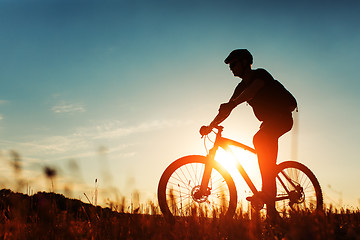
column 257, row 200
column 251, row 198
column 259, row 196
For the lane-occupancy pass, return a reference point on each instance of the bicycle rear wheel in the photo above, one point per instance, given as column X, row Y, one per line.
column 298, row 190
column 178, row 190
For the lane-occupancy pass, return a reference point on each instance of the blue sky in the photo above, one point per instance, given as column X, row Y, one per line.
column 121, row 87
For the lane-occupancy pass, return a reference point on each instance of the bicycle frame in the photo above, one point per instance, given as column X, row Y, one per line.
column 225, row 143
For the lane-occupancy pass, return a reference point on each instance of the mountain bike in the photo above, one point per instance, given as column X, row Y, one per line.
column 199, row 185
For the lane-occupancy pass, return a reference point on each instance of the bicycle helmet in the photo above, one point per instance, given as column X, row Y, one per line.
column 239, row 54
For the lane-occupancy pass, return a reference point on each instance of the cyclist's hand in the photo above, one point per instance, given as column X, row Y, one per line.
column 205, row 130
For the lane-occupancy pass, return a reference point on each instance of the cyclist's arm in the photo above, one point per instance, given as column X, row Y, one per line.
column 248, row 92
column 246, row 95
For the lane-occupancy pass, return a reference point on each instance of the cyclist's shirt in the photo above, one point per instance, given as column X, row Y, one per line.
column 271, row 100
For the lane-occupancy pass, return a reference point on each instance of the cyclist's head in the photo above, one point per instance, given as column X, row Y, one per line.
column 239, row 55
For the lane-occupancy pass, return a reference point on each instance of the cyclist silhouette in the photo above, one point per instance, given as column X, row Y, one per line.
column 272, row 105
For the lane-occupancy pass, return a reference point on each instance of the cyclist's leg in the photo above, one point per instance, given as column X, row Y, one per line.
column 266, row 145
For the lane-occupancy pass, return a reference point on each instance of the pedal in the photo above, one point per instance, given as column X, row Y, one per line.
column 256, row 202
column 250, row 198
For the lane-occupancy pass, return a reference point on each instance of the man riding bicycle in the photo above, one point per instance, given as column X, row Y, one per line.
column 272, row 105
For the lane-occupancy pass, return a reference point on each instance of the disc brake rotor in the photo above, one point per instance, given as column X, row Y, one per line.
column 198, row 196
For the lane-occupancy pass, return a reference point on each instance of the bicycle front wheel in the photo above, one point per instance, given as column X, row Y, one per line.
column 178, row 190
column 298, row 190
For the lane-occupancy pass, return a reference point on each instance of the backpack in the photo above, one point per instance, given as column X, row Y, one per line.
column 271, row 99
column 285, row 99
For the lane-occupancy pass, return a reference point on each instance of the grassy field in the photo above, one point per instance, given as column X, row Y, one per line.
column 52, row 216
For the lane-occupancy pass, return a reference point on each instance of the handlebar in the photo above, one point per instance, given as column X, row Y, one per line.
column 221, row 116
column 219, row 128
column 206, row 130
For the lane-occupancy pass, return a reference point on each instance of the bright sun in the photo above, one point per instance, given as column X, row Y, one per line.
column 247, row 159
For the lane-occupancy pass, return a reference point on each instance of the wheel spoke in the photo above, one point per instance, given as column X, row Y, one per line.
column 181, row 194
column 299, row 187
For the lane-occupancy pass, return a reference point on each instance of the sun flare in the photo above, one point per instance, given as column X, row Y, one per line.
column 248, row 161
column 229, row 159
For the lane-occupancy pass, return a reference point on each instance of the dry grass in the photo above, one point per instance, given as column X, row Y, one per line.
column 52, row 216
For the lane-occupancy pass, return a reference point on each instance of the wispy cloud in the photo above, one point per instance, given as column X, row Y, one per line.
column 1, row 117
column 56, row 145
column 3, row 102
column 65, row 107
column 83, row 141
column 116, row 129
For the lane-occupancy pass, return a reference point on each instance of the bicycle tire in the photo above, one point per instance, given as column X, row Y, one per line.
column 183, row 177
column 305, row 197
